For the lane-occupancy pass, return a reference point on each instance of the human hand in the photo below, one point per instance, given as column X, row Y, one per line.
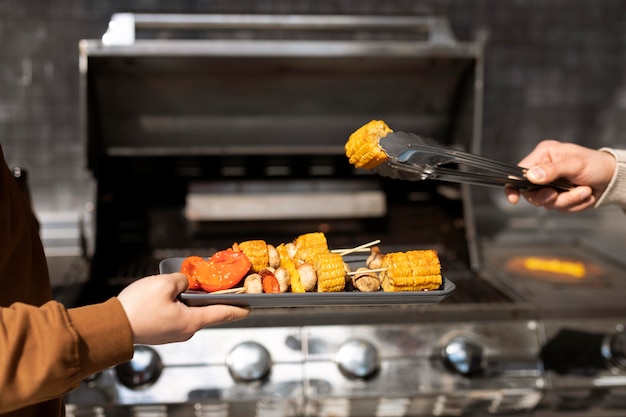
column 590, row 169
column 156, row 315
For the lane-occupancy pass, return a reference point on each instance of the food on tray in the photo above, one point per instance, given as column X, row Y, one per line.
column 253, row 284
column 256, row 251
column 575, row 269
column 308, row 277
column 269, row 281
column 375, row 259
column 365, row 280
column 331, row 272
column 307, row 265
column 417, row 270
column 222, row 271
column 363, row 149
column 287, row 263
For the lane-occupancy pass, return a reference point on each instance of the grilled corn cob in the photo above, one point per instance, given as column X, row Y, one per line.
column 256, row 251
column 331, row 272
column 418, row 270
column 315, row 240
column 362, row 148
column 310, row 244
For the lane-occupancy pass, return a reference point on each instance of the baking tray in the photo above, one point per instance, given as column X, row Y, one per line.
column 311, row 299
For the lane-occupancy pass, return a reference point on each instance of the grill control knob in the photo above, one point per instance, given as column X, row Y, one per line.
column 143, row 369
column 249, row 361
column 614, row 349
column 357, row 359
column 463, row 355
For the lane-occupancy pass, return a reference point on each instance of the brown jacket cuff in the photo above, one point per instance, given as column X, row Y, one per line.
column 105, row 336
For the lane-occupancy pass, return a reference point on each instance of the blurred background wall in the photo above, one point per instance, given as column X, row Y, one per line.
column 554, row 69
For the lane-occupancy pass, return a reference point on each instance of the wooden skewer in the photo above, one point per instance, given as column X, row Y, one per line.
column 238, row 290
column 341, row 251
column 344, row 252
column 363, row 271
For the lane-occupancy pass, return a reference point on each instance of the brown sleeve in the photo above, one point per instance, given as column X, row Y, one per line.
column 48, row 350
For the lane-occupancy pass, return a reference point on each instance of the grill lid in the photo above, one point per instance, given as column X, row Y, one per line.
column 279, row 96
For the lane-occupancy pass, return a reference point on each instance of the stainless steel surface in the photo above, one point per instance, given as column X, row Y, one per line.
column 417, row 158
column 353, row 370
column 123, row 26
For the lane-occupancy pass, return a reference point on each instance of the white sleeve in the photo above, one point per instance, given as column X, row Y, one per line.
column 615, row 193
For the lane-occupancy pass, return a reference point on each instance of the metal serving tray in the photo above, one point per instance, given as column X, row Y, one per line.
column 310, row 299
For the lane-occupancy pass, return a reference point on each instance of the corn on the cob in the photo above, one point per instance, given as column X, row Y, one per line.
column 362, row 148
column 313, row 240
column 256, row 251
column 331, row 272
column 287, row 263
column 308, row 245
column 418, row 270
column 307, row 255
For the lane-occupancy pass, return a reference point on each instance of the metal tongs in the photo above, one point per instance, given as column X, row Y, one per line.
column 412, row 157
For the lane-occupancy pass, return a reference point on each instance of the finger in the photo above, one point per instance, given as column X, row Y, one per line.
column 541, row 197
column 578, row 199
column 216, row 314
column 181, row 284
column 512, row 194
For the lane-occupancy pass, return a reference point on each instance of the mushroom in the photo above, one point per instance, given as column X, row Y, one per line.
column 283, row 277
column 273, row 256
column 308, row 277
column 253, row 284
column 375, row 259
column 366, row 281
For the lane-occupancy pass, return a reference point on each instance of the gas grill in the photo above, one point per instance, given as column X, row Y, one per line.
column 204, row 130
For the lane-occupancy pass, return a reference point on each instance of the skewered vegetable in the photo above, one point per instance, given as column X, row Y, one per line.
column 314, row 240
column 375, row 259
column 362, row 148
column 308, row 277
column 366, row 281
column 418, row 270
column 223, row 270
column 330, row 271
column 273, row 258
column 270, row 283
column 287, row 263
column 253, row 284
column 256, row 251
column 282, row 275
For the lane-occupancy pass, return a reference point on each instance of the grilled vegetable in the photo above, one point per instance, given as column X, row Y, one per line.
column 270, row 283
column 362, row 148
column 366, row 281
column 253, row 284
column 273, row 258
column 330, row 271
column 282, row 275
column 314, row 240
column 375, row 259
column 418, row 270
column 222, row 271
column 287, row 263
column 308, row 277
column 256, row 251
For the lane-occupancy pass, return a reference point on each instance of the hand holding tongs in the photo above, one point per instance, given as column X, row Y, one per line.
column 413, row 157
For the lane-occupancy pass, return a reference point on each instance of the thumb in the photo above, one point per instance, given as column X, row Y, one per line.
column 181, row 283
column 543, row 174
